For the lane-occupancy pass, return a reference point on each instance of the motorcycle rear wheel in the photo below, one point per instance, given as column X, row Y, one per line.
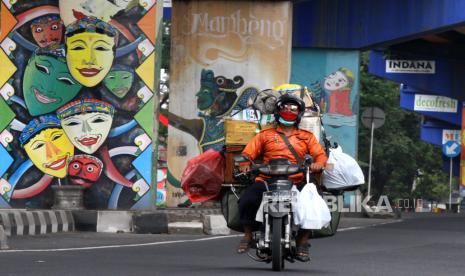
column 277, row 250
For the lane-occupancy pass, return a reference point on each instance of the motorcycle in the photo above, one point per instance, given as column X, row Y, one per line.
column 276, row 240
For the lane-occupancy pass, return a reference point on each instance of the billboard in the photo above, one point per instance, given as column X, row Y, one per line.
column 222, row 53
column 431, row 105
column 439, row 76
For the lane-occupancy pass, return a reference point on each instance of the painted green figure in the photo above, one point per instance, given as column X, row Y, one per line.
column 47, row 82
column 119, row 80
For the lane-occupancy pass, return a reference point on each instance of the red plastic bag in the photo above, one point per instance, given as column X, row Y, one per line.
column 203, row 176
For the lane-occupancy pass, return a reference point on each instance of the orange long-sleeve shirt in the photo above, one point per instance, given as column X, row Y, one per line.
column 269, row 144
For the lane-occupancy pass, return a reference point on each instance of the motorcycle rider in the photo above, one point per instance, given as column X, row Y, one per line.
column 268, row 144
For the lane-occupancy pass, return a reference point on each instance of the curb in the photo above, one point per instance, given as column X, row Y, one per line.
column 18, row 222
column 177, row 221
column 3, row 239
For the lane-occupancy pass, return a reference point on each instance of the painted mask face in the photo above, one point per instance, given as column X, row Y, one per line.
column 47, row 84
column 50, row 151
column 335, row 81
column 47, row 32
column 89, row 57
column 205, row 98
column 119, row 82
column 84, row 170
column 87, row 131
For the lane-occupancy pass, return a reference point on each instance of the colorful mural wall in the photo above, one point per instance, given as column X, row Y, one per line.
column 462, row 157
column 78, row 87
column 333, row 77
column 222, row 53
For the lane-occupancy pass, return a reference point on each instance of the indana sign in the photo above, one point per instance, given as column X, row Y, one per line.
column 411, row 66
column 433, row 103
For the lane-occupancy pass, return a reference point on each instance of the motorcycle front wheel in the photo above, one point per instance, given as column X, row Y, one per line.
column 277, row 249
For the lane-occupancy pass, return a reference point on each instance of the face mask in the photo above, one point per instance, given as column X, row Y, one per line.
column 287, row 115
column 285, row 122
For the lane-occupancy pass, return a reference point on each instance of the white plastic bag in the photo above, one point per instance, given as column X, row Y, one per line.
column 342, row 171
column 311, row 211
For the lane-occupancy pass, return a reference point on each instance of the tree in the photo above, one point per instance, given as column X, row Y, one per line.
column 433, row 186
column 398, row 151
column 166, row 45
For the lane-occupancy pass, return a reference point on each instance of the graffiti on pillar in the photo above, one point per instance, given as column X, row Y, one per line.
column 77, row 101
column 217, row 98
column 223, row 52
column 338, row 86
column 332, row 76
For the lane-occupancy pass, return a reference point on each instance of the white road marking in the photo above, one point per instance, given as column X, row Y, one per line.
column 367, row 226
column 117, row 246
column 164, row 242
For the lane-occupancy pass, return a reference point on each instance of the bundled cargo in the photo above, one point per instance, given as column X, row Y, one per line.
column 239, row 132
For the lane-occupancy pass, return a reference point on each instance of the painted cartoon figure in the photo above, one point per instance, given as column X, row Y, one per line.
column 84, row 169
column 90, row 49
column 87, row 123
column 216, row 98
column 47, row 83
column 119, row 80
column 47, row 146
column 47, row 30
column 339, row 85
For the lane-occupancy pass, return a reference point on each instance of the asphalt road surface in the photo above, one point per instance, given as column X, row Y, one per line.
column 427, row 244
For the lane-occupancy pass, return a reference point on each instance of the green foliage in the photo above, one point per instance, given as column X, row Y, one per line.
column 398, row 152
column 166, row 41
column 433, row 186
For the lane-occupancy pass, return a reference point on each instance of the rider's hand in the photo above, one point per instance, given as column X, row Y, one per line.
column 244, row 167
column 315, row 167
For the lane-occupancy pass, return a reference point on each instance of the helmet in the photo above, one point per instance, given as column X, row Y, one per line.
column 288, row 98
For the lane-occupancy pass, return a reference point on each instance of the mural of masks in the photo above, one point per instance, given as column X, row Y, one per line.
column 47, row 30
column 119, row 80
column 47, row 83
column 90, row 49
column 47, row 146
column 84, row 169
column 72, row 71
column 87, row 123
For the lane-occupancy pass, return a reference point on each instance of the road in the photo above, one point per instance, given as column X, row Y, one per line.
column 426, row 244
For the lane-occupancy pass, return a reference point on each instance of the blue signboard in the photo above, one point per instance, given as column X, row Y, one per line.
column 431, row 131
column 407, row 101
column 451, row 149
column 447, row 79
